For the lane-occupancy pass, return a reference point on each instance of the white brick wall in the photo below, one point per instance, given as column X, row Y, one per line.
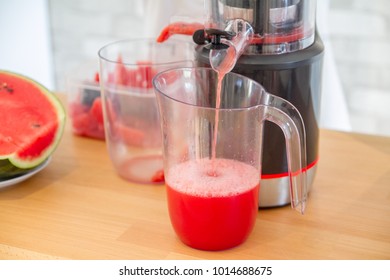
column 81, row 27
column 360, row 36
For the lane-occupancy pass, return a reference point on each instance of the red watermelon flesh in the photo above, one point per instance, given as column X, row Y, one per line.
column 87, row 121
column 31, row 123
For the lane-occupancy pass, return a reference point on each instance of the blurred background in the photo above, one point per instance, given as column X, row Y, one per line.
column 47, row 39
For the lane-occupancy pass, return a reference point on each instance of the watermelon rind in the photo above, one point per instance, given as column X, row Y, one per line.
column 27, row 164
column 9, row 171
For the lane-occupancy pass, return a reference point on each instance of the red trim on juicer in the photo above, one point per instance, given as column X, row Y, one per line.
column 285, row 174
column 295, row 35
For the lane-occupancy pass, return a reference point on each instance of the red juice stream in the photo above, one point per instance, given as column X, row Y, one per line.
column 213, row 171
column 222, row 67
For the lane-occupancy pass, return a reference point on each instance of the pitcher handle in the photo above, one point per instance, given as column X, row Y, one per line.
column 288, row 118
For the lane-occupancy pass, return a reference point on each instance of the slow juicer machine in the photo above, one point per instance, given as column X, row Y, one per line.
column 285, row 56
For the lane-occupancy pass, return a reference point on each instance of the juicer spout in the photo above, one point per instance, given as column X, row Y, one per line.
column 244, row 34
column 228, row 45
column 239, row 32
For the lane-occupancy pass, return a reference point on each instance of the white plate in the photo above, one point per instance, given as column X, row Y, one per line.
column 16, row 180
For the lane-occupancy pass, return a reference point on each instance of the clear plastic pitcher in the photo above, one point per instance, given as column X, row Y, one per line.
column 212, row 157
column 131, row 119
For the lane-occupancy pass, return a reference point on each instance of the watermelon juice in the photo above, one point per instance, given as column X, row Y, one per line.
column 212, row 203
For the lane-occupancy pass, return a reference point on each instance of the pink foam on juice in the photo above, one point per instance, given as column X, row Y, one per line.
column 213, row 212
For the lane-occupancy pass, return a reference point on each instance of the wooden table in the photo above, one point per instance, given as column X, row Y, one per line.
column 78, row 208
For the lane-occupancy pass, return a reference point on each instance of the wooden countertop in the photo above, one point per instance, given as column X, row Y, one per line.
column 78, row 208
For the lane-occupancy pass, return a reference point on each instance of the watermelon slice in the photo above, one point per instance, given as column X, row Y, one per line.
column 31, row 124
